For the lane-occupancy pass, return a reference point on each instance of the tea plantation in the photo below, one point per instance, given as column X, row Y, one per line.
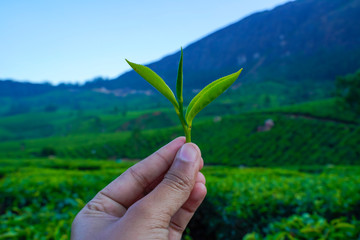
column 284, row 173
column 251, row 203
column 227, row 140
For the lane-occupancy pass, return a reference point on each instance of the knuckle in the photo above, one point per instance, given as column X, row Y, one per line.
column 177, row 227
column 139, row 178
column 105, row 191
column 162, row 157
column 179, row 182
column 95, row 205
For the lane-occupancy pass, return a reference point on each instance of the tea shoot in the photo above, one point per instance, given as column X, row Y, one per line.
column 199, row 102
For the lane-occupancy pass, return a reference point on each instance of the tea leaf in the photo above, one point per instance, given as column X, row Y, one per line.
column 179, row 81
column 208, row 94
column 155, row 80
column 344, row 225
column 179, row 95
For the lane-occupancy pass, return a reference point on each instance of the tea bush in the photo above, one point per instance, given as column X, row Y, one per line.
column 41, row 203
column 293, row 140
column 40, row 198
column 240, row 201
column 308, row 226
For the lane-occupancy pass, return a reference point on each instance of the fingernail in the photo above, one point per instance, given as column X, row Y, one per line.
column 188, row 153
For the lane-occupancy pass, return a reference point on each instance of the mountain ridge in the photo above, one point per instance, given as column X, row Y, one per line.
column 309, row 32
column 302, row 40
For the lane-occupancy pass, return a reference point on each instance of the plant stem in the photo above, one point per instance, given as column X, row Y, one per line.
column 188, row 134
column 186, row 128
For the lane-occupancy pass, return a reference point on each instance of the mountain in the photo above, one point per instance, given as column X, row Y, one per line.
column 10, row 88
column 303, row 40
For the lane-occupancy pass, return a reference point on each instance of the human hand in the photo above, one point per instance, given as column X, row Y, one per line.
column 154, row 199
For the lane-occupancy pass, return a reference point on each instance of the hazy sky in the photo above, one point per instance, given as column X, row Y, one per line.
column 77, row 40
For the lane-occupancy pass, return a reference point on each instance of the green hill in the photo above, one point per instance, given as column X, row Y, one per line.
column 301, row 46
column 302, row 134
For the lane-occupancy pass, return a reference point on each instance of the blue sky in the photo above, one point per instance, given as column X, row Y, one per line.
column 75, row 41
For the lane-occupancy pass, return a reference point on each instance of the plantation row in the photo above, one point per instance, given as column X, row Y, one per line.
column 228, row 140
column 291, row 141
column 330, row 109
column 61, row 113
column 66, row 122
column 250, row 203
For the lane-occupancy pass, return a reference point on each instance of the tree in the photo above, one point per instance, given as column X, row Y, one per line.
column 50, row 108
column 348, row 90
column 47, row 151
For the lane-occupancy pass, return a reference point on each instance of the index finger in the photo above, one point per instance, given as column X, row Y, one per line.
column 131, row 185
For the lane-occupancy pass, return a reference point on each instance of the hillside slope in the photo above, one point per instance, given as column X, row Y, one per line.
column 300, row 40
column 290, row 54
column 295, row 139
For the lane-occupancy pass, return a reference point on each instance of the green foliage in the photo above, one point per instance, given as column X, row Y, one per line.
column 312, row 133
column 155, row 80
column 295, row 139
column 179, row 81
column 50, row 108
column 326, row 109
column 308, row 226
column 39, row 198
column 65, row 123
column 47, row 151
column 348, row 89
column 18, row 108
column 245, row 200
column 43, row 206
column 208, row 94
column 201, row 100
column 291, row 141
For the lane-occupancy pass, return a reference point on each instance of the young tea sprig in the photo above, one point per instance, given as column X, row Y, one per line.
column 199, row 102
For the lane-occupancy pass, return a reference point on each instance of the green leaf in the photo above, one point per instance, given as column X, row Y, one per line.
column 179, row 81
column 344, row 225
column 155, row 80
column 309, row 229
column 208, row 94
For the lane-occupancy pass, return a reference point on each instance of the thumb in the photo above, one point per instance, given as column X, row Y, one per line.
column 173, row 191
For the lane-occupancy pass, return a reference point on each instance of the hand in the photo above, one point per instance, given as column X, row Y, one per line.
column 154, row 199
